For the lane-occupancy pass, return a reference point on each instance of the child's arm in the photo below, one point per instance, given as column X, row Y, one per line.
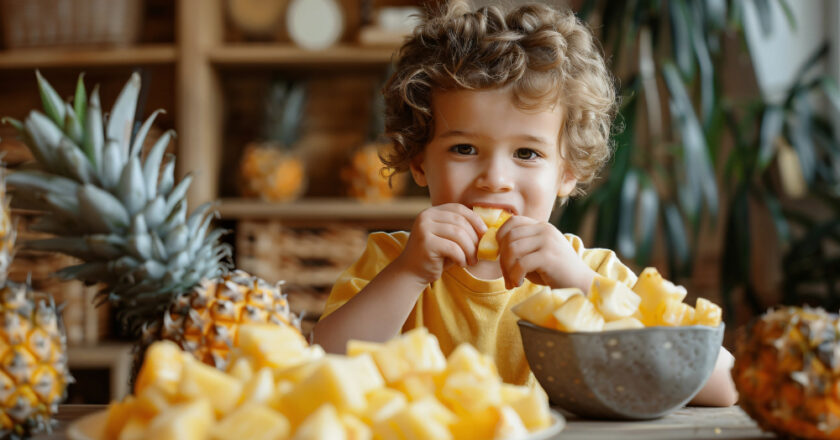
column 719, row 389
column 442, row 235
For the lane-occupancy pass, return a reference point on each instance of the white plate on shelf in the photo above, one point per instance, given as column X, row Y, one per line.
column 91, row 427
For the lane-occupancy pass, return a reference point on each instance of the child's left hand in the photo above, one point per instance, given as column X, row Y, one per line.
column 539, row 252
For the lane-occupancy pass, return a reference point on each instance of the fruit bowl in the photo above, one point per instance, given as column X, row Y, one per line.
column 633, row 374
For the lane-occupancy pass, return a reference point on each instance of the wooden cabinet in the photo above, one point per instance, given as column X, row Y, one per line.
column 208, row 80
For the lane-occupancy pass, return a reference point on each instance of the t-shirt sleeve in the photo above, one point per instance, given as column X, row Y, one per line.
column 381, row 249
column 603, row 261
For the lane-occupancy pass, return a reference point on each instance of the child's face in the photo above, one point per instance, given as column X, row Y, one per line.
column 487, row 151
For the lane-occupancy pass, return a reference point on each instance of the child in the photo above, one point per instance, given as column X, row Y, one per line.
column 487, row 110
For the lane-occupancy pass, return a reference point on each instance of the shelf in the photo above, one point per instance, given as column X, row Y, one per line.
column 323, row 209
column 289, row 55
column 89, row 57
column 114, row 356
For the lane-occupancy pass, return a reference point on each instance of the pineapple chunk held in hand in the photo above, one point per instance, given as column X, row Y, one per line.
column 494, row 218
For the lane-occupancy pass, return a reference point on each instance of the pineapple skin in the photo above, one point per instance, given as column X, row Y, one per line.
column 205, row 321
column 121, row 212
column 33, row 361
column 787, row 364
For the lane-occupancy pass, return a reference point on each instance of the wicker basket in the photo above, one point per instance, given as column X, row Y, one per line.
column 309, row 259
column 39, row 23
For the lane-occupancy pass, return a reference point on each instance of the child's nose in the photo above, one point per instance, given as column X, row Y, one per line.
column 495, row 176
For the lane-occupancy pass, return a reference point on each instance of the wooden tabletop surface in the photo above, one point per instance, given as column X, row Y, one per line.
column 685, row 423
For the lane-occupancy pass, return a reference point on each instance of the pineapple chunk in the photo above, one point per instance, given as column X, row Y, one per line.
column 488, row 247
column 151, row 402
column 332, row 382
column 260, row 388
column 183, row 422
column 707, row 313
column 578, row 314
column 424, row 419
column 466, row 393
column 365, row 372
column 201, row 381
column 162, row 368
column 242, row 368
column 118, row 413
column 465, row 358
column 323, row 424
column 479, row 424
column 252, row 421
column 416, row 351
column 655, row 290
column 416, row 386
column 135, row 428
column 276, row 346
column 382, row 403
column 510, row 425
column 613, row 299
column 674, row 313
column 356, row 347
column 530, row 403
column 539, row 307
column 494, row 218
column 355, row 428
column 623, row 324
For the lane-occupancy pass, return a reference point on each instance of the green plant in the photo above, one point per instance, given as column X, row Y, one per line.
column 688, row 155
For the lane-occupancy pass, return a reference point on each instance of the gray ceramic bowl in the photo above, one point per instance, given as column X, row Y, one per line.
column 622, row 374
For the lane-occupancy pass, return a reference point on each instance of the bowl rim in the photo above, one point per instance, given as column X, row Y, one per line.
column 659, row 328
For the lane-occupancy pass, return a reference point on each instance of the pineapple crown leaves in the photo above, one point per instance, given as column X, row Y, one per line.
column 124, row 216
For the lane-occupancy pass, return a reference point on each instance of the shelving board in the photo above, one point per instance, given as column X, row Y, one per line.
column 290, row 55
column 323, row 209
column 116, row 357
column 88, row 57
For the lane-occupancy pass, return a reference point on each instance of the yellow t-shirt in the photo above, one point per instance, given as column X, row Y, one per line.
column 461, row 308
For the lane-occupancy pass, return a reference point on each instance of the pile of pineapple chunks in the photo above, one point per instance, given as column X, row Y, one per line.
column 611, row 305
column 279, row 387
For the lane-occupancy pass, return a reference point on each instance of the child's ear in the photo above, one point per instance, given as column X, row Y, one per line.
column 567, row 184
column 417, row 170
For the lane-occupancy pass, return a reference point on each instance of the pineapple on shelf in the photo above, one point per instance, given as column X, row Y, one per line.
column 125, row 217
column 268, row 169
column 365, row 179
column 787, row 364
column 33, row 358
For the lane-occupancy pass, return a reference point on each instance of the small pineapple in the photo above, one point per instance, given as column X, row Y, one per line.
column 33, row 359
column 786, row 371
column 126, row 218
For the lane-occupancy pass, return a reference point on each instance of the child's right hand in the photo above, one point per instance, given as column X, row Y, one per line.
column 441, row 236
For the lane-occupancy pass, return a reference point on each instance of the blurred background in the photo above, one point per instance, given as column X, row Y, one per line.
column 726, row 172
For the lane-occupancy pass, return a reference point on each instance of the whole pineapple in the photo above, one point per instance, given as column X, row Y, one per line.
column 787, row 371
column 165, row 272
column 33, row 360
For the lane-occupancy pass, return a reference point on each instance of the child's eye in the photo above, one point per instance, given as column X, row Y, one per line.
column 463, row 149
column 526, row 153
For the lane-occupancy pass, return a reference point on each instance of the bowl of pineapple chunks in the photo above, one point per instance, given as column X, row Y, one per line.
column 620, row 353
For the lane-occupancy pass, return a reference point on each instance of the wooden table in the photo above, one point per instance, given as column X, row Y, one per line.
column 686, row 423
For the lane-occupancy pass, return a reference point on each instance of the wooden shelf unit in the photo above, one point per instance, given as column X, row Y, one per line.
column 65, row 57
column 323, row 209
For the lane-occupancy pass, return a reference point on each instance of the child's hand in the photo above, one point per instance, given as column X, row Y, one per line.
column 539, row 251
column 441, row 236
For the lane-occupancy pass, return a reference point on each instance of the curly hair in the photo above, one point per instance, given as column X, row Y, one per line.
column 545, row 56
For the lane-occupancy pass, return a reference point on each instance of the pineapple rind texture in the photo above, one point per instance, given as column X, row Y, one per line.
column 33, row 361
column 404, row 388
column 122, row 215
column 786, row 367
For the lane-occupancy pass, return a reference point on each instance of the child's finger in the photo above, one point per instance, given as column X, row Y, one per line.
column 474, row 220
